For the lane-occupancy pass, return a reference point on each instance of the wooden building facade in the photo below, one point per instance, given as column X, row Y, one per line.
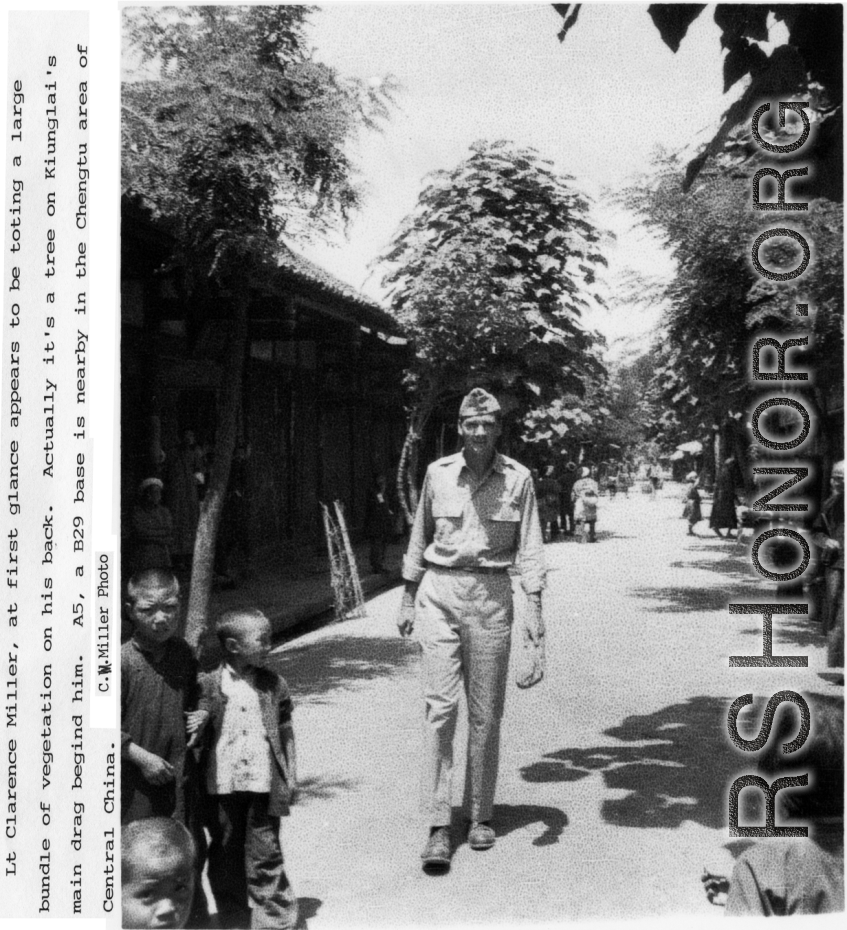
column 322, row 407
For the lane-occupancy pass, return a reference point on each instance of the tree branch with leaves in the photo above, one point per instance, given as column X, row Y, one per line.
column 491, row 275
column 233, row 138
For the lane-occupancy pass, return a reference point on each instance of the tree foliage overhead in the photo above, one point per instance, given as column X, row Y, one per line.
column 809, row 64
column 717, row 302
column 491, row 274
column 233, row 134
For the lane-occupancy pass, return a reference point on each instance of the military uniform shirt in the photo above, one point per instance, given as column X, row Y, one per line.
column 462, row 522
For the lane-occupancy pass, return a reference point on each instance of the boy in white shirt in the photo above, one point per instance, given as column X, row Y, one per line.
column 249, row 776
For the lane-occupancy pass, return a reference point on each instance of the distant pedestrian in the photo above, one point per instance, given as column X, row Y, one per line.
column 185, row 475
column 548, row 504
column 152, row 529
column 612, row 481
column 566, row 503
column 379, row 522
column 234, row 545
column 586, row 498
column 692, row 509
column 723, row 514
column 654, row 476
column 829, row 537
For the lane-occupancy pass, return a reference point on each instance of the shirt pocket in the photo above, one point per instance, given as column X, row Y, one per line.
column 503, row 525
column 447, row 514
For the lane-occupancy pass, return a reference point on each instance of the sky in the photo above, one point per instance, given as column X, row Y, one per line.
column 597, row 105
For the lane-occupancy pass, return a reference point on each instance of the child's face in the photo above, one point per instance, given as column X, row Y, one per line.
column 253, row 641
column 154, row 614
column 159, row 890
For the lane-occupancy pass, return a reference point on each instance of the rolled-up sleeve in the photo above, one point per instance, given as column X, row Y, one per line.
column 531, row 545
column 414, row 566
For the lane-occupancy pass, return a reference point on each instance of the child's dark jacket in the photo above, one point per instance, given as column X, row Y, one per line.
column 275, row 704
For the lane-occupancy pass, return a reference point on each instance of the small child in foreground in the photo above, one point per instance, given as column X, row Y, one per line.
column 157, row 873
column 250, row 775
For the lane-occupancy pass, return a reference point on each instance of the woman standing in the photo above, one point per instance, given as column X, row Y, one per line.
column 723, row 506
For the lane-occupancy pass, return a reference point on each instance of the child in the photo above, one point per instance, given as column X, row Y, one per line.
column 803, row 875
column 692, row 504
column 250, row 776
column 157, row 873
column 159, row 694
column 586, row 500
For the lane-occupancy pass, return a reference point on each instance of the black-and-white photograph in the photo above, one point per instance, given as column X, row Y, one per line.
column 482, row 480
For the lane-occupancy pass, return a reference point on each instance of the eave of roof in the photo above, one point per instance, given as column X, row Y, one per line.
column 367, row 312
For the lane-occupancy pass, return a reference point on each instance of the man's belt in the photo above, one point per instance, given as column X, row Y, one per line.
column 473, row 569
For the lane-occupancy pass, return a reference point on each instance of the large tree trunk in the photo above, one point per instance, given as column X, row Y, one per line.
column 202, row 569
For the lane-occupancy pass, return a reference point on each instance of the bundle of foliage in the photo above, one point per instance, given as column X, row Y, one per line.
column 490, row 274
column 232, row 137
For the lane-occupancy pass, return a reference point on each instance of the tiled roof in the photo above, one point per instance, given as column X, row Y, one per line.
column 370, row 313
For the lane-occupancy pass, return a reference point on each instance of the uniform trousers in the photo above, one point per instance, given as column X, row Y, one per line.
column 246, row 869
column 464, row 621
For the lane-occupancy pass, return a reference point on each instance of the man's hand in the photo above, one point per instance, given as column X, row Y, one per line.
column 533, row 664
column 534, row 625
column 406, row 617
column 153, row 768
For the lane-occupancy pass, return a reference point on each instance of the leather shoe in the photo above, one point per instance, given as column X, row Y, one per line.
column 481, row 836
column 436, row 854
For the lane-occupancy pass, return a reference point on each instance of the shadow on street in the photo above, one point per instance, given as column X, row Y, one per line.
column 322, row 789
column 733, row 567
column 788, row 633
column 322, row 666
column 510, row 817
column 693, row 599
column 307, row 908
column 674, row 764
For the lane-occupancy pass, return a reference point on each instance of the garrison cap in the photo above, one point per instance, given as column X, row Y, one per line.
column 478, row 403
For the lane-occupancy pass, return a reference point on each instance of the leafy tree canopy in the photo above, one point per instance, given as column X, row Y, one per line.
column 491, row 273
column 233, row 133
column 233, row 136
column 717, row 302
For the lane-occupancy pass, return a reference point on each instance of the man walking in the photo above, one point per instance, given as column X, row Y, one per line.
column 477, row 515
